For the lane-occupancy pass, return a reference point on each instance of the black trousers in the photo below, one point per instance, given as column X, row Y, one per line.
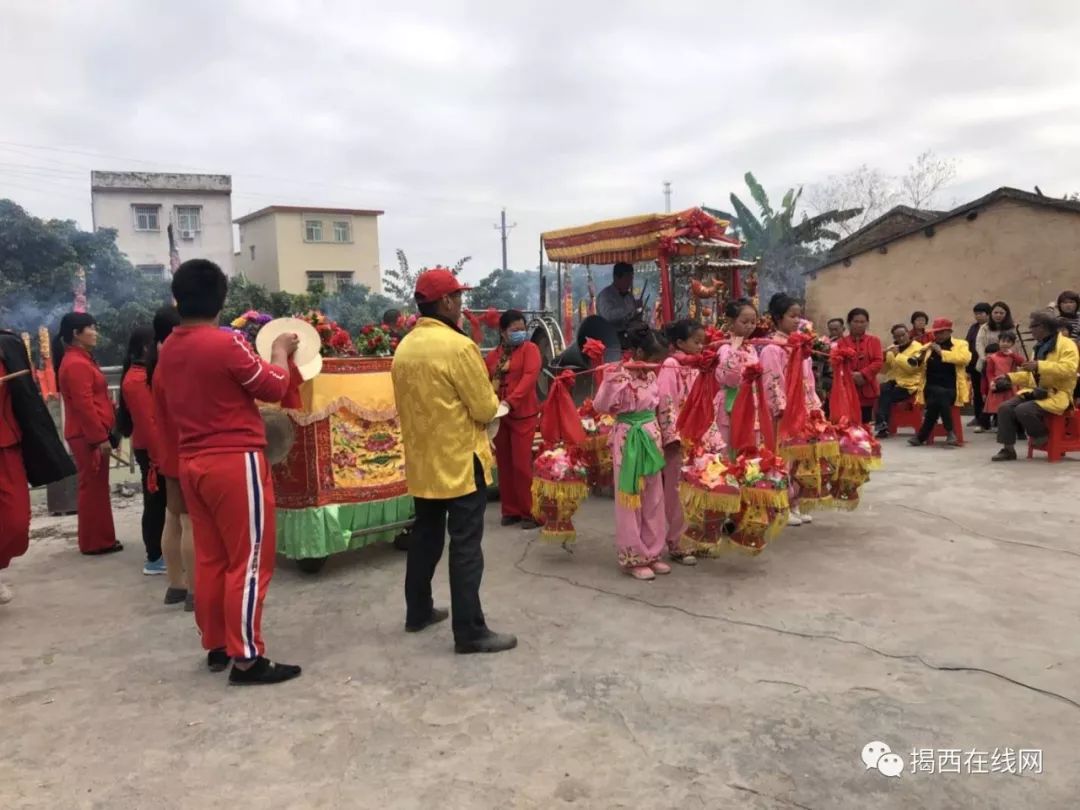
column 939, row 404
column 891, row 395
column 977, row 397
column 1020, row 414
column 867, row 413
column 464, row 517
column 153, row 512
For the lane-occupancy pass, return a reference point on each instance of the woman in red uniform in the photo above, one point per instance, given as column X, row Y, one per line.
column 88, row 422
column 514, row 368
column 869, row 360
column 135, row 416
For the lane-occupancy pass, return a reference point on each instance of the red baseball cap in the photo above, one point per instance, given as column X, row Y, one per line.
column 941, row 324
column 436, row 283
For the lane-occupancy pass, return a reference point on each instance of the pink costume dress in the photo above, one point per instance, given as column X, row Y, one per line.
column 729, row 371
column 774, row 361
column 639, row 533
column 997, row 365
column 673, row 383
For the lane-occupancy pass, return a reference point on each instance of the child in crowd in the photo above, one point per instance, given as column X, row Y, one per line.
column 211, row 381
column 733, row 357
column 786, row 313
column 135, row 417
column 999, row 364
column 674, row 380
column 630, row 393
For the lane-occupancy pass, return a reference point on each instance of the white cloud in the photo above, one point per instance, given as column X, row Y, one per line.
column 565, row 113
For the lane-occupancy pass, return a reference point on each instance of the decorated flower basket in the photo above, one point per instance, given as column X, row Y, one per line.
column 710, row 493
column 596, row 449
column 764, row 485
column 860, row 453
column 560, row 485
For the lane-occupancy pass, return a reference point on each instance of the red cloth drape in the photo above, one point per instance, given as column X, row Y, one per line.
column 699, row 411
column 793, row 422
column 844, row 397
column 292, row 395
column 751, row 413
column 559, row 419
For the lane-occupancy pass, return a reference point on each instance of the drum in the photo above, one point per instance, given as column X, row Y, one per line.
column 544, row 331
column 280, row 434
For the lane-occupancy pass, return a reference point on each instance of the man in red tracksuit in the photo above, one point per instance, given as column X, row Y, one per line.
column 211, row 381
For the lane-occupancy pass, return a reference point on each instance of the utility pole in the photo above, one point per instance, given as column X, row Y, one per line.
column 502, row 226
column 667, row 196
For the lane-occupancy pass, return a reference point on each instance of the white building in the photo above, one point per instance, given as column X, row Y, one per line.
column 141, row 205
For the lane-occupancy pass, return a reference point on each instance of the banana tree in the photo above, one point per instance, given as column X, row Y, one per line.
column 785, row 245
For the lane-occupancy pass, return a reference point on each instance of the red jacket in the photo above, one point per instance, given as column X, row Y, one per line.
column 869, row 359
column 518, row 386
column 210, row 381
column 140, row 404
column 88, row 411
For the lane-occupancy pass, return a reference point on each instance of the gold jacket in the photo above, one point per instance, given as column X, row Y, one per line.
column 898, row 370
column 444, row 401
column 1057, row 375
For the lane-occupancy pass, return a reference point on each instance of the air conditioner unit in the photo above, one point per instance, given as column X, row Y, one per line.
column 189, row 235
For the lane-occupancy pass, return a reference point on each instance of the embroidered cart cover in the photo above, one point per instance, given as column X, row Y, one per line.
column 346, row 470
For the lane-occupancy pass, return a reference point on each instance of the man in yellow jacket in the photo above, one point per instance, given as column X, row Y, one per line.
column 445, row 401
column 943, row 381
column 1044, row 384
column 902, row 375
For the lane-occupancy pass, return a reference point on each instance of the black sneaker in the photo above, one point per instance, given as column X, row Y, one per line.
column 174, row 596
column 510, row 521
column 915, row 441
column 263, row 671
column 437, row 615
column 881, row 433
column 217, row 660
column 490, row 643
column 529, row 525
column 952, row 441
column 189, row 602
column 1005, row 454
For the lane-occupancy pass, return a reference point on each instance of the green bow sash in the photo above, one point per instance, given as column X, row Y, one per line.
column 640, row 455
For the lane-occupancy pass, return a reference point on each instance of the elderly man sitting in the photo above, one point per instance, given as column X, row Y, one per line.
column 1044, row 385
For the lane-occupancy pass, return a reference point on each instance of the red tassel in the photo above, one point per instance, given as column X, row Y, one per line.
column 844, row 397
column 559, row 419
column 292, row 395
column 750, row 407
column 152, row 480
column 793, row 422
column 699, row 411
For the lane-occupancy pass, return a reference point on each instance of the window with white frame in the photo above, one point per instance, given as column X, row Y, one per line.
column 332, row 281
column 155, row 271
column 341, row 231
column 146, row 217
column 188, row 218
column 315, row 278
column 313, row 230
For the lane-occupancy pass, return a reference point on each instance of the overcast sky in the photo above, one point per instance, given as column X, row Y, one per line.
column 441, row 113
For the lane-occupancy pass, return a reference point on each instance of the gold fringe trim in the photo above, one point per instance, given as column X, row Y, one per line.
column 815, row 504
column 626, row 500
column 767, row 498
column 566, row 495
column 845, row 504
column 697, row 501
column 305, row 418
column 811, row 451
column 558, row 537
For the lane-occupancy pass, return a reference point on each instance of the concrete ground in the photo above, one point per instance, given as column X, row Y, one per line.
column 941, row 615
